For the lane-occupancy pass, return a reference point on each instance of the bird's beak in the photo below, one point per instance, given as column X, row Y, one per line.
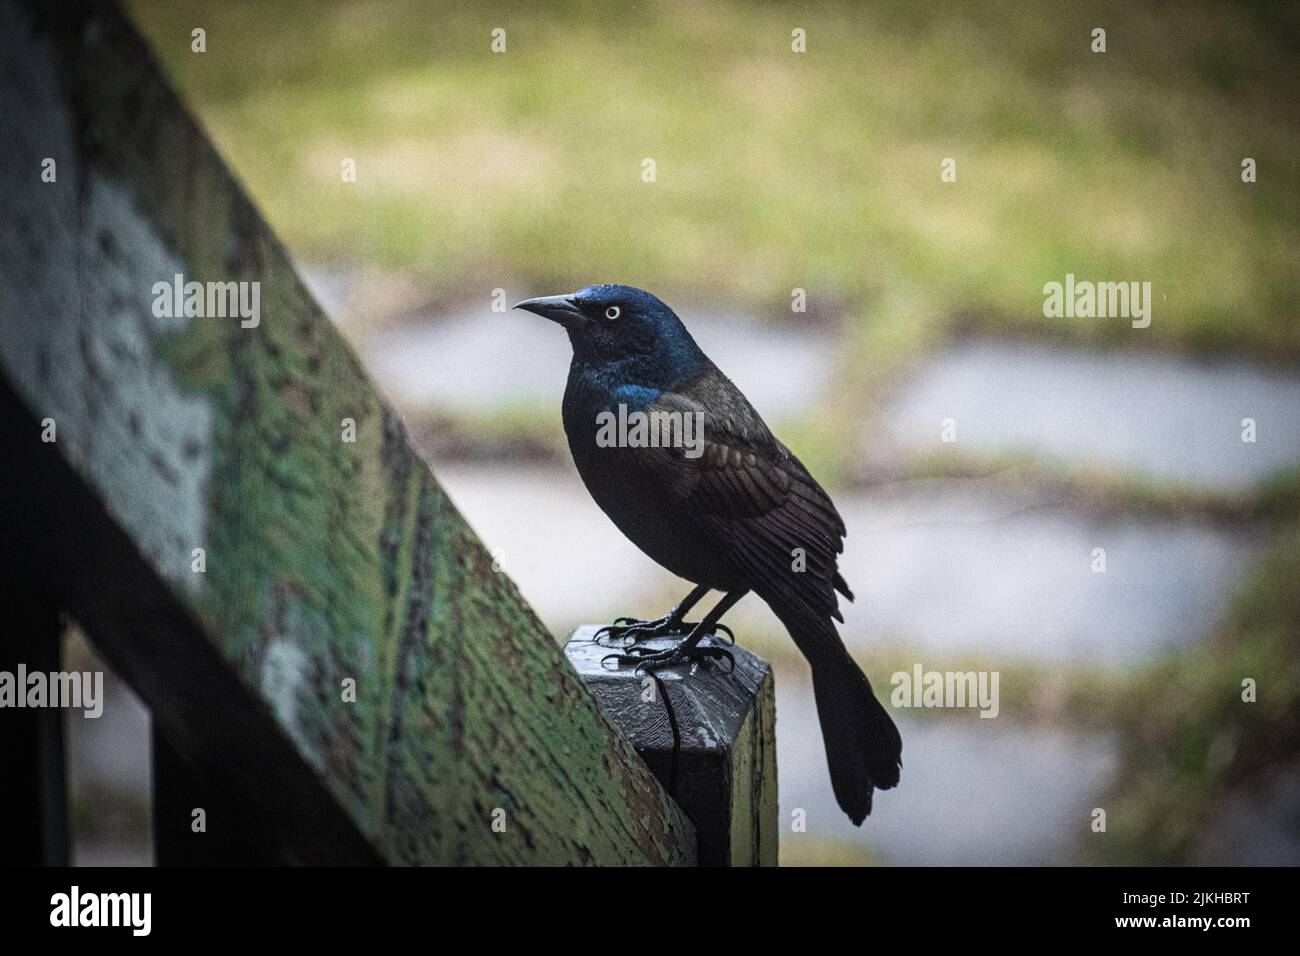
column 557, row 308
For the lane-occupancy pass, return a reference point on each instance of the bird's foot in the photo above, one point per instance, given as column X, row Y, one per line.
column 686, row 652
column 632, row 632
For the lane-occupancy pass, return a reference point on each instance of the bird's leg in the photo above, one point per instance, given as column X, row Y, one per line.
column 671, row 623
column 688, row 649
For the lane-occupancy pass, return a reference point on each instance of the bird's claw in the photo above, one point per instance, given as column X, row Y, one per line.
column 731, row 638
column 644, row 659
column 611, row 630
column 631, row 631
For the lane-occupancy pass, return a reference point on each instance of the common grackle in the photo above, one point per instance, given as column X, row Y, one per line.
column 726, row 506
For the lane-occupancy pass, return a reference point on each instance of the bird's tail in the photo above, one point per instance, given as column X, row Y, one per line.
column 863, row 747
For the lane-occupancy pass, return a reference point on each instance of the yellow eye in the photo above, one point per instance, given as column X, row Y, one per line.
column 613, row 312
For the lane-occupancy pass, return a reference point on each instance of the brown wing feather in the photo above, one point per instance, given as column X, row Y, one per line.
column 757, row 497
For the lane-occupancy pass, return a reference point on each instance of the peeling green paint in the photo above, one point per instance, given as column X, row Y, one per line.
column 329, row 560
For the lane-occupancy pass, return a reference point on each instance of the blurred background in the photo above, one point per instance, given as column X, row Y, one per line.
column 521, row 171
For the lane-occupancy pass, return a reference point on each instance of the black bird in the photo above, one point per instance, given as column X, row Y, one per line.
column 732, row 511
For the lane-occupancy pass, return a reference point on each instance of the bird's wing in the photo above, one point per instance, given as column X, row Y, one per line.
column 757, row 497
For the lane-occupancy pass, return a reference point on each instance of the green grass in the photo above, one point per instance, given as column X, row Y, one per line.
column 1103, row 491
column 777, row 169
column 516, row 433
column 1190, row 738
column 805, row 850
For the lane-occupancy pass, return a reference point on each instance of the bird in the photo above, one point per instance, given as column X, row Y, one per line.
column 721, row 503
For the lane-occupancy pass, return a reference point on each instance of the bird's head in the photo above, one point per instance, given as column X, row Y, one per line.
column 624, row 326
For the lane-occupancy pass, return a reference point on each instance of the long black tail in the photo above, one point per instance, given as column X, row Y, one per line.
column 863, row 747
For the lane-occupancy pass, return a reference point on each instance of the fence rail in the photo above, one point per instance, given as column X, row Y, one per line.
column 188, row 489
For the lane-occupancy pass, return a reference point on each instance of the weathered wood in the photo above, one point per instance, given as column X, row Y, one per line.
column 326, row 561
column 711, row 742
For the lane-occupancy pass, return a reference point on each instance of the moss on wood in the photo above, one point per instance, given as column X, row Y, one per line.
column 326, row 560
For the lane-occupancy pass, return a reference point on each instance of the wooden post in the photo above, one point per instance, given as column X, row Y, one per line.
column 237, row 519
column 708, row 734
column 33, row 785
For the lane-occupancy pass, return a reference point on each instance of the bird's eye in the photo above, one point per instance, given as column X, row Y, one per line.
column 613, row 312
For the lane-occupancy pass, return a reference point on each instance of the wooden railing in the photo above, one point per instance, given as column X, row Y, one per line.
column 235, row 517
